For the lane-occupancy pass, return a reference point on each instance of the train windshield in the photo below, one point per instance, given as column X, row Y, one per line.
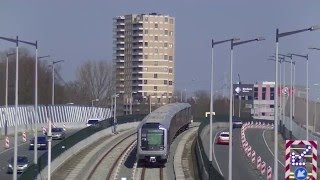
column 152, row 139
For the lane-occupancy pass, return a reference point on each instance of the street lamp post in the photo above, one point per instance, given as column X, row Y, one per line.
column 6, row 101
column 291, row 84
column 53, row 63
column 307, row 89
column 278, row 36
column 15, row 158
column 213, row 43
column 233, row 44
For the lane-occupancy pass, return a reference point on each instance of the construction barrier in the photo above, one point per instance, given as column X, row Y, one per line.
column 253, row 157
column 259, row 162
column 24, row 137
column 44, row 130
column 7, row 143
column 249, row 151
column 269, row 173
column 309, row 153
column 263, row 168
column 64, row 127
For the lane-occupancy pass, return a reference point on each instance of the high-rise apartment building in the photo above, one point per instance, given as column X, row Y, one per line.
column 144, row 61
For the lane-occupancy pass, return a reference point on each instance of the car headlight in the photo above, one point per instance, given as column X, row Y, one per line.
column 9, row 165
column 26, row 165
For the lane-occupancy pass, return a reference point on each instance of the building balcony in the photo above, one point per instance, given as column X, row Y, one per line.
column 119, row 36
column 136, row 52
column 138, row 26
column 138, row 45
column 137, row 33
column 137, row 64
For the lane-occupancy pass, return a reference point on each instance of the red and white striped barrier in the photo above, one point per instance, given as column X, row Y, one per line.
column 64, row 127
column 7, row 143
column 259, row 162
column 249, row 151
column 24, row 137
column 253, row 157
column 54, row 126
column 263, row 168
column 269, row 173
column 44, row 130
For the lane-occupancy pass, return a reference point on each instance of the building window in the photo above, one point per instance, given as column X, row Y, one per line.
column 170, row 83
column 146, row 19
column 165, row 69
column 146, row 44
column 165, row 57
column 146, row 31
column 145, row 56
column 165, row 81
column 171, row 33
column 271, row 96
column 156, row 25
column 156, row 38
column 171, row 21
column 155, row 75
column 145, row 81
column 170, row 70
column 255, row 95
column 155, row 88
column 145, row 69
column 170, row 58
column 166, row 32
column 158, row 100
column 165, row 44
column 156, row 63
column 156, row 50
column 271, row 105
column 166, row 19
column 170, row 45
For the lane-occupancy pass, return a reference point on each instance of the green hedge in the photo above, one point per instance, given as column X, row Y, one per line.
column 34, row 170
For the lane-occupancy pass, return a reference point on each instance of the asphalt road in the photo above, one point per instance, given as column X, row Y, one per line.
column 257, row 140
column 23, row 149
column 241, row 168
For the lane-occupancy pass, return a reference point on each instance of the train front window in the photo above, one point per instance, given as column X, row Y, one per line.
column 152, row 139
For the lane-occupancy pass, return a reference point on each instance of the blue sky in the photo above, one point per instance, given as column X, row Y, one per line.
column 80, row 30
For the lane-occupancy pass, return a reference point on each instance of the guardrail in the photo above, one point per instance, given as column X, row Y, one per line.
column 57, row 150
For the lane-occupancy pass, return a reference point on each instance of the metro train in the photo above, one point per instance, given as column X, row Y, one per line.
column 157, row 131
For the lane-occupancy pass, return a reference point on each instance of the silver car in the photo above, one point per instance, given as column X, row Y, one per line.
column 58, row 133
column 22, row 164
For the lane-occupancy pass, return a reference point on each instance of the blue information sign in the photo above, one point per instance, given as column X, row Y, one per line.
column 301, row 173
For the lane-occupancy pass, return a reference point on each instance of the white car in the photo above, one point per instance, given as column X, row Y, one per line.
column 93, row 122
column 223, row 138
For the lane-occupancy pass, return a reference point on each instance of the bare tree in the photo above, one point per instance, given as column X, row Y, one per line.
column 94, row 81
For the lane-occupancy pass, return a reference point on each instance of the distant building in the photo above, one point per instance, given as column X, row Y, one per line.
column 263, row 100
column 255, row 99
column 144, row 61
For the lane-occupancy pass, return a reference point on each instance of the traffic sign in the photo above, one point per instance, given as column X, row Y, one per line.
column 300, row 173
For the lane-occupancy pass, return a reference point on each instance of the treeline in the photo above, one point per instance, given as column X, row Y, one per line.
column 93, row 81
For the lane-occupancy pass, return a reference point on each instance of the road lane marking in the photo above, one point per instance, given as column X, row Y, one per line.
column 12, row 148
column 214, row 155
column 268, row 146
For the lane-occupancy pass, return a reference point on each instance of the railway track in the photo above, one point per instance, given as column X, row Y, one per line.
column 108, row 164
column 152, row 173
